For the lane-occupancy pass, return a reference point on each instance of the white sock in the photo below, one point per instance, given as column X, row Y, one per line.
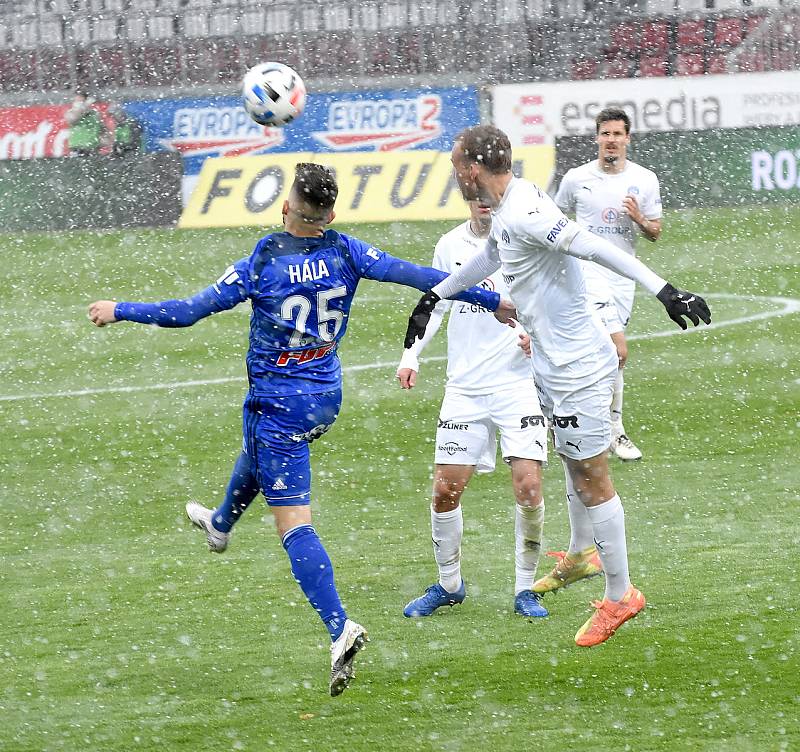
column 608, row 523
column 528, row 524
column 616, row 405
column 447, row 529
column 580, row 526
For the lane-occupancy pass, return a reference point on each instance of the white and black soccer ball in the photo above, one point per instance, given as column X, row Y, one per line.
column 274, row 94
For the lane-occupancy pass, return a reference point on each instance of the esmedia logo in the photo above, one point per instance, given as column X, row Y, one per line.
column 672, row 114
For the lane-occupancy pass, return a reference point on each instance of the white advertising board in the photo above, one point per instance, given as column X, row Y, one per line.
column 536, row 113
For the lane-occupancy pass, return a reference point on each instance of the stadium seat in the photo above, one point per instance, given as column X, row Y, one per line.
column 151, row 64
column 653, row 66
column 751, row 24
column 655, row 36
column 728, row 32
column 786, row 59
column 717, row 63
column 625, row 37
column 751, row 62
column 691, row 35
column 618, row 67
column 51, row 66
column 15, row 67
column 584, row 69
column 689, row 64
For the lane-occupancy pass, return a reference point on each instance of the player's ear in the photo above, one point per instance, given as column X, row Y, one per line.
column 331, row 217
column 285, row 207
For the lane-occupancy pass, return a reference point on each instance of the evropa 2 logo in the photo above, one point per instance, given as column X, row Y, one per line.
column 223, row 131
column 382, row 124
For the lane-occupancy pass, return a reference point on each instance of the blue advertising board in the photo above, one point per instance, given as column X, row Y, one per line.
column 374, row 120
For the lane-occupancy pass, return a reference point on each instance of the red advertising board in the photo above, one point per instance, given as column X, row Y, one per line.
column 35, row 132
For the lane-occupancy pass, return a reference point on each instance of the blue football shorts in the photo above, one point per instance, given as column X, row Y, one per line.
column 277, row 432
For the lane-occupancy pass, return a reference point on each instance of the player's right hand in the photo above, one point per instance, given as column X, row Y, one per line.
column 680, row 303
column 506, row 312
column 101, row 312
column 419, row 318
column 407, row 377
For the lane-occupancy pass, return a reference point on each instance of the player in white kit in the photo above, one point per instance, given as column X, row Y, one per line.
column 489, row 389
column 618, row 200
column 574, row 360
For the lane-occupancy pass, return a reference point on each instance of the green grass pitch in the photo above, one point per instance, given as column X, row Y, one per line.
column 119, row 631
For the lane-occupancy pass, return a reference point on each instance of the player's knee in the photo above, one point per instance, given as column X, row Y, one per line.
column 528, row 491
column 446, row 494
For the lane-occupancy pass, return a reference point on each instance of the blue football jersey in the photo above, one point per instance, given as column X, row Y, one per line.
column 301, row 290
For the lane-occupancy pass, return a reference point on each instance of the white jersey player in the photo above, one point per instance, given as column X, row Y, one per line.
column 618, row 200
column 574, row 360
column 489, row 390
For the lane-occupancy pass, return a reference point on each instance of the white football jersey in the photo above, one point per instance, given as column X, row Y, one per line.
column 596, row 198
column 483, row 355
column 530, row 234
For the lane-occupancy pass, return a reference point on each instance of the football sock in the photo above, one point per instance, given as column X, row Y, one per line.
column 528, row 523
column 580, row 526
column 616, row 405
column 242, row 489
column 447, row 529
column 608, row 523
column 313, row 571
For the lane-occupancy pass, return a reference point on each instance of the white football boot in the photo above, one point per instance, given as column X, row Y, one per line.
column 625, row 449
column 201, row 517
column 343, row 651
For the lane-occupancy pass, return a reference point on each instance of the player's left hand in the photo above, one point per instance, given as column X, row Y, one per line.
column 680, row 303
column 101, row 312
column 407, row 378
column 419, row 318
column 506, row 313
column 631, row 207
column 525, row 344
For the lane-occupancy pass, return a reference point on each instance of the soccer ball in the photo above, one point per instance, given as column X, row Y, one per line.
column 274, row 94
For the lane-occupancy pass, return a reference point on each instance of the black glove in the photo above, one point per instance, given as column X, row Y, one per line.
column 680, row 303
column 420, row 317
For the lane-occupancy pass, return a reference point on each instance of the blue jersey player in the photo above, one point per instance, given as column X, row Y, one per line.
column 300, row 284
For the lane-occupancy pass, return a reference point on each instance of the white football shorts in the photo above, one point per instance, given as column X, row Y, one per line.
column 612, row 304
column 468, row 427
column 576, row 400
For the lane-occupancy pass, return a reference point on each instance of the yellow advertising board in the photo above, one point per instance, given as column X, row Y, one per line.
column 373, row 186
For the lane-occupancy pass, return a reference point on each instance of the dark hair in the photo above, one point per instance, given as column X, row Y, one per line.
column 487, row 145
column 315, row 186
column 612, row 113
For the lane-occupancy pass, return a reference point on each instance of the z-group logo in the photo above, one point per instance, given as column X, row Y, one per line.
column 382, row 124
column 223, row 131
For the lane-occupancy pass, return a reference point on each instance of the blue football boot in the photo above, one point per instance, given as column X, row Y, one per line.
column 434, row 597
column 527, row 604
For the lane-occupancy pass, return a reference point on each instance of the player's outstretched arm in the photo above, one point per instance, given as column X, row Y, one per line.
column 678, row 303
column 169, row 313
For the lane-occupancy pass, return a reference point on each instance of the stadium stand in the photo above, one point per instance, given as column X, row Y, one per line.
column 48, row 45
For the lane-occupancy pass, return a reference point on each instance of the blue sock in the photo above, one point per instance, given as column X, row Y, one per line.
column 242, row 489
column 313, row 571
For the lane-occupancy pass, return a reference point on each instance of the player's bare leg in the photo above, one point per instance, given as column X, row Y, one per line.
column 621, row 445
column 447, row 529
column 313, row 571
column 526, row 478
